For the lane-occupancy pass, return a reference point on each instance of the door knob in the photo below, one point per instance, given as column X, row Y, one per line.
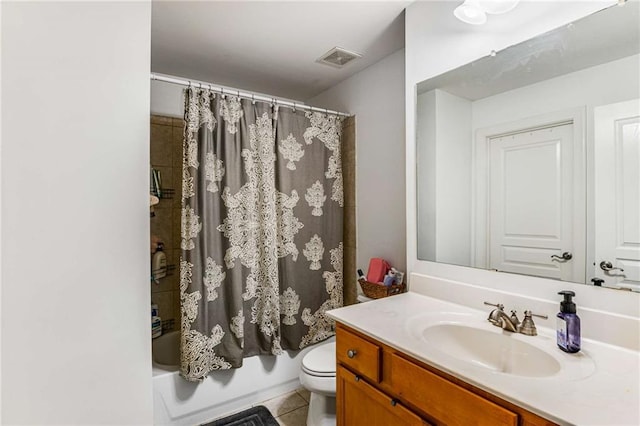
column 351, row 353
column 565, row 256
column 608, row 267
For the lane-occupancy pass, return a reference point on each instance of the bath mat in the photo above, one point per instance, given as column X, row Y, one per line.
column 254, row 416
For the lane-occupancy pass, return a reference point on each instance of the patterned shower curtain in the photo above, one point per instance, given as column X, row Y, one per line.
column 262, row 214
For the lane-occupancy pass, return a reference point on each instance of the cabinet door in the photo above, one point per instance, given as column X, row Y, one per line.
column 361, row 404
column 358, row 354
column 444, row 400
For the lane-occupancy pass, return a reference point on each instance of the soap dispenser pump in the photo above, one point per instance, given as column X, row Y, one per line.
column 568, row 324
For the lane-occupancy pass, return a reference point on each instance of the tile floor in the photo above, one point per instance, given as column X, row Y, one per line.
column 289, row 409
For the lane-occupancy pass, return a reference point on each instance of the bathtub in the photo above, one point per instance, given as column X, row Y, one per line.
column 179, row 402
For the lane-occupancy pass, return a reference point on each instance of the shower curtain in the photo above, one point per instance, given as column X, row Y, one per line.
column 261, row 230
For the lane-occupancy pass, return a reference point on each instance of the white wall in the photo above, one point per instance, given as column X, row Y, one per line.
column 443, row 131
column 375, row 96
column 432, row 50
column 563, row 93
column 453, row 178
column 167, row 99
column 607, row 83
column 426, row 149
column 75, row 153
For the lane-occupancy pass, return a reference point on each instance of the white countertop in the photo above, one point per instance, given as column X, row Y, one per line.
column 608, row 395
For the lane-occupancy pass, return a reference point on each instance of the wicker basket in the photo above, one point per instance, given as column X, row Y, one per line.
column 378, row 290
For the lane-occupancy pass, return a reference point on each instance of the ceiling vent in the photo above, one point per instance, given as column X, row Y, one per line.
column 338, row 57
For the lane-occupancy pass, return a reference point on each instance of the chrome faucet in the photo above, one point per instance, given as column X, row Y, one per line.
column 500, row 319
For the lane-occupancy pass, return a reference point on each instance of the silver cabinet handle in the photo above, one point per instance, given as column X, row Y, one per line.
column 351, row 353
column 565, row 256
column 608, row 267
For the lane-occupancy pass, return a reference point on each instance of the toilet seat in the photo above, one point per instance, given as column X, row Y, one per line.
column 321, row 361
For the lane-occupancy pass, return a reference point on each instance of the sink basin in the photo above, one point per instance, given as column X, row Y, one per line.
column 496, row 352
column 469, row 338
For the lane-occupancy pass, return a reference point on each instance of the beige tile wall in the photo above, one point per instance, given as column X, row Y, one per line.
column 166, row 156
column 349, row 228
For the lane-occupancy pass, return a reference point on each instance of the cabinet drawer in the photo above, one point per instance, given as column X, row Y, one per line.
column 358, row 354
column 362, row 404
column 445, row 401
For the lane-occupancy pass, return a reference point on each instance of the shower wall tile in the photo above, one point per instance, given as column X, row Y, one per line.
column 166, row 156
column 349, row 176
column 161, row 286
column 166, row 176
column 161, row 145
column 176, row 219
column 166, row 306
column 175, row 255
column 349, row 227
column 177, row 137
column 349, row 278
column 162, row 226
column 158, row 119
column 176, row 309
column 176, row 184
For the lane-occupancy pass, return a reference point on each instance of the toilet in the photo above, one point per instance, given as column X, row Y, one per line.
column 318, row 376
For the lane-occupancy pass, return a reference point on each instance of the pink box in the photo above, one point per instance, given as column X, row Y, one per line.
column 378, row 268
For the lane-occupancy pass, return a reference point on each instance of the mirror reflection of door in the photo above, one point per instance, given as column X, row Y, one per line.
column 617, row 194
column 531, row 204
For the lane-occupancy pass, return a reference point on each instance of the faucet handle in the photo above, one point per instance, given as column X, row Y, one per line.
column 514, row 318
column 528, row 327
column 535, row 315
column 497, row 305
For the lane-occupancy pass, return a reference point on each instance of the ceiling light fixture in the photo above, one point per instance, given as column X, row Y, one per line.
column 497, row 7
column 471, row 13
column 474, row 12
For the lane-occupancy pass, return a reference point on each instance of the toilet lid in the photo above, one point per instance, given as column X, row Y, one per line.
column 321, row 361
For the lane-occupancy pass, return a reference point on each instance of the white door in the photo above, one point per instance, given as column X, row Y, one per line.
column 617, row 194
column 531, row 201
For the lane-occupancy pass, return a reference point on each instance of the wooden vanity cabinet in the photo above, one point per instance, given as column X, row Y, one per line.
column 363, row 404
column 378, row 385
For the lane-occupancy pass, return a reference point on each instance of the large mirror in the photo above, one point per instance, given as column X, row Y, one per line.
column 528, row 159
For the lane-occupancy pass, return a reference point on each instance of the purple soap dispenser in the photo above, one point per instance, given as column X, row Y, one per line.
column 568, row 330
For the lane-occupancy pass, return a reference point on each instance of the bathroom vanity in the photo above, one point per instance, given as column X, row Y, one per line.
column 377, row 384
column 414, row 360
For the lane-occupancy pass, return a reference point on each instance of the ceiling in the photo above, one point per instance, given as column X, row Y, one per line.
column 604, row 36
column 271, row 47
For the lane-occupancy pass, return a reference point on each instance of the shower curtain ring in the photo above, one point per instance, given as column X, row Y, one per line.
column 253, row 98
column 294, row 107
column 238, row 94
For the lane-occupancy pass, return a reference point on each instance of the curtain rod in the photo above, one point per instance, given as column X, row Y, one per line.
column 240, row 93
